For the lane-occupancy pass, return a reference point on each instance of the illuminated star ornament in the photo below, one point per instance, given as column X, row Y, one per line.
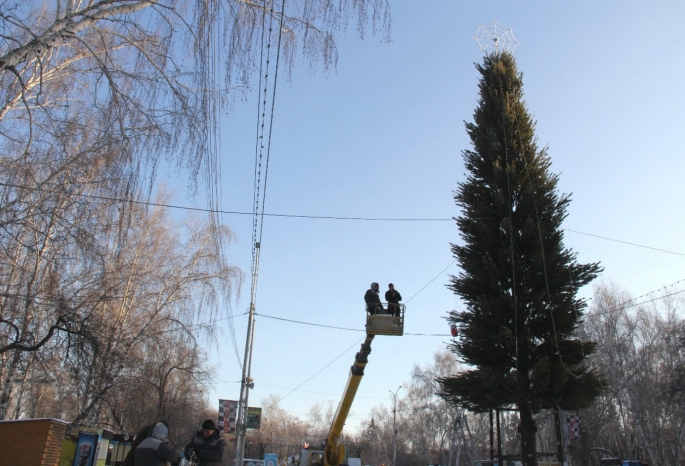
column 494, row 37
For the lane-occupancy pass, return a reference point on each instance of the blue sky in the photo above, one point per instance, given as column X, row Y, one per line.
column 382, row 137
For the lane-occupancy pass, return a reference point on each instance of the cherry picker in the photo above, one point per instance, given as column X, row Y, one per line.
column 333, row 452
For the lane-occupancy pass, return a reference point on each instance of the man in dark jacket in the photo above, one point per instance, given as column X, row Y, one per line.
column 373, row 302
column 142, row 434
column 207, row 444
column 155, row 450
column 393, row 297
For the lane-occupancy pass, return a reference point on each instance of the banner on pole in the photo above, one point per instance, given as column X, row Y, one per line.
column 228, row 410
column 254, row 418
column 573, row 427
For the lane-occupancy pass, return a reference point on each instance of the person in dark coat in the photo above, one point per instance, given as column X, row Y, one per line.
column 155, row 450
column 373, row 302
column 142, row 434
column 207, row 444
column 393, row 297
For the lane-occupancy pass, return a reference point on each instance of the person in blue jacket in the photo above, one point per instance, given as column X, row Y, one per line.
column 207, row 445
column 155, row 450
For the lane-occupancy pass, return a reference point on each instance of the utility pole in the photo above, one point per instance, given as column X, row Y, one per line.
column 246, row 382
column 394, row 424
column 557, row 429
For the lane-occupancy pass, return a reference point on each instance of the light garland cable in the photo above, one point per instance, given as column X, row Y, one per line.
column 542, row 246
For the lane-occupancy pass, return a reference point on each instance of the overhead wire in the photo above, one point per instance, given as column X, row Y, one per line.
column 321, row 393
column 432, row 280
column 316, row 373
column 316, row 217
column 312, row 324
column 624, row 242
column 258, row 217
column 628, row 306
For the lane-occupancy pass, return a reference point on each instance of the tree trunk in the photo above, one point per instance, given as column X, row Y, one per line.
column 6, row 394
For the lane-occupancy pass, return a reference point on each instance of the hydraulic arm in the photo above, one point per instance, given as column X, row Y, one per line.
column 334, row 454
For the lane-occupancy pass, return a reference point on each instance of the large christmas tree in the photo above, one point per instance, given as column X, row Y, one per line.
column 518, row 282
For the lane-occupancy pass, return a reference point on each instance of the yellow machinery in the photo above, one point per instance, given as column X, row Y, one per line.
column 333, row 453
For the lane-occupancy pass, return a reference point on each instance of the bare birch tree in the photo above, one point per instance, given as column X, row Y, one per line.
column 640, row 351
column 142, row 281
column 92, row 94
column 152, row 74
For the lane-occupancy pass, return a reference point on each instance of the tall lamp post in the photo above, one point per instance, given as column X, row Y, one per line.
column 394, row 424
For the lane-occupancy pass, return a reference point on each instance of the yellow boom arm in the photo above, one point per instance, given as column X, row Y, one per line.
column 334, row 454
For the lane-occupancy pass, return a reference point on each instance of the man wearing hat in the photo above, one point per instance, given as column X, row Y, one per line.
column 393, row 297
column 207, row 444
column 373, row 302
column 155, row 450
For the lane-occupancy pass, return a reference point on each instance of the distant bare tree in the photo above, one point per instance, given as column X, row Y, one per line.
column 47, row 226
column 640, row 351
column 144, row 285
column 283, row 431
column 430, row 430
column 319, row 418
column 157, row 285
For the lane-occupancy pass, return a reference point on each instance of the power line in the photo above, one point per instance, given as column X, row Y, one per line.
column 317, row 217
column 320, row 393
column 230, row 212
column 624, row 242
column 258, row 216
column 341, row 328
column 434, row 278
column 316, row 373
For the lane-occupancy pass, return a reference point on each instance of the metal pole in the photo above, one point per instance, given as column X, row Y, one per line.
column 557, row 428
column 500, row 462
column 492, row 441
column 246, row 381
column 394, row 424
column 240, row 428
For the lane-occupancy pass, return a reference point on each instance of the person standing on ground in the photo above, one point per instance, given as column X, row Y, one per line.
column 142, row 434
column 155, row 450
column 207, row 444
column 393, row 297
column 373, row 301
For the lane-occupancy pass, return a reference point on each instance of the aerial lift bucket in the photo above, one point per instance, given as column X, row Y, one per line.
column 382, row 321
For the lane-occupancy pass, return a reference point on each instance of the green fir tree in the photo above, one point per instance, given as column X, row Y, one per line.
column 518, row 282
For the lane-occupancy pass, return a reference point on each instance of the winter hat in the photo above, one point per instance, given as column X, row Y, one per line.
column 208, row 425
column 159, row 431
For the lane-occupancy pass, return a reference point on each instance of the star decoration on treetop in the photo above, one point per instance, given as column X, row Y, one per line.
column 494, row 37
